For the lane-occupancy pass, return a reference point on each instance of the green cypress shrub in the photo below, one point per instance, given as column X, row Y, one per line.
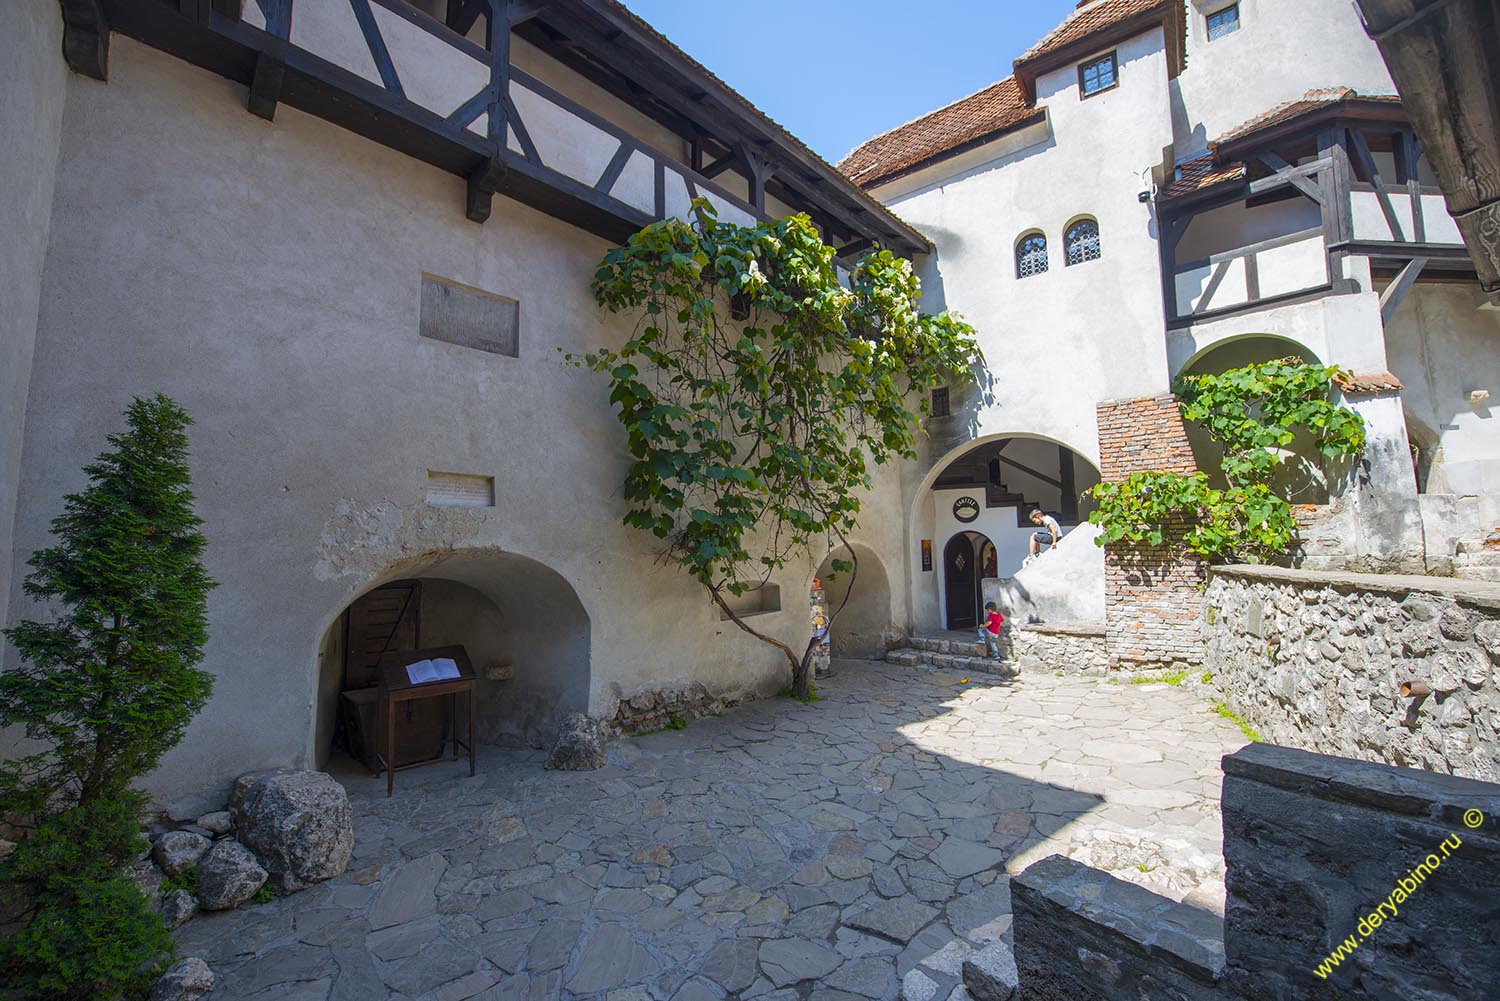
column 106, row 688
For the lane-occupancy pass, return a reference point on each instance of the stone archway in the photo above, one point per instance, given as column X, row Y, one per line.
column 525, row 629
column 859, row 628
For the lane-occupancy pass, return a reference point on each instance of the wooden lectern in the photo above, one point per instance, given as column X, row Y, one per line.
column 396, row 689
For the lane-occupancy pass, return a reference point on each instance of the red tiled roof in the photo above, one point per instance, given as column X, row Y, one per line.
column 1369, row 384
column 1311, row 101
column 1088, row 18
column 1002, row 106
column 1199, row 173
column 996, row 109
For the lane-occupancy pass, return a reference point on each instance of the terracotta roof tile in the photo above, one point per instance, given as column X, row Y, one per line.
column 1199, row 173
column 1287, row 110
column 1369, row 384
column 1089, row 18
column 997, row 108
column 992, row 111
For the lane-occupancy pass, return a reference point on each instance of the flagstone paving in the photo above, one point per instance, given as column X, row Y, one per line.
column 780, row 851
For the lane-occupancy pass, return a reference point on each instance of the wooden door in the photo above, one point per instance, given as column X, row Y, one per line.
column 959, row 583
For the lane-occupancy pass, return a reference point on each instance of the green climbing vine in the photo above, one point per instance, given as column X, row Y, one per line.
column 757, row 390
column 1254, row 413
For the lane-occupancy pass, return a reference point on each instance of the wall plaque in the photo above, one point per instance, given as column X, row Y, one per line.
column 927, row 555
column 966, row 509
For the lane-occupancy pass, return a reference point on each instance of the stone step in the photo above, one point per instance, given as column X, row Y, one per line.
column 910, row 657
column 1489, row 545
column 944, row 644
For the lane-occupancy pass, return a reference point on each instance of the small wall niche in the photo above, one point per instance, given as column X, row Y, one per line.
column 470, row 317
column 760, row 601
column 459, row 490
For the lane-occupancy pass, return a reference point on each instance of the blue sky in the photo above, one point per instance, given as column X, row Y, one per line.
column 836, row 72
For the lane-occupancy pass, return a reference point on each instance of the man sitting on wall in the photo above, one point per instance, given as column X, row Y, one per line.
column 1050, row 532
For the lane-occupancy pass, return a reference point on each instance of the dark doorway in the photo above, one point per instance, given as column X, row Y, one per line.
column 961, row 579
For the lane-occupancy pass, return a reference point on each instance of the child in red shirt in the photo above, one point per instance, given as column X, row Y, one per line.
column 990, row 631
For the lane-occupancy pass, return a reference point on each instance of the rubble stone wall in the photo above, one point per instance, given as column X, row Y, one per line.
column 1316, row 660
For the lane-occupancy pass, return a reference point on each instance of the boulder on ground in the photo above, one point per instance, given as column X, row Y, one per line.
column 148, row 878
column 228, row 875
column 178, row 851
column 217, row 823
column 580, row 745
column 186, row 980
column 990, row 974
column 177, row 907
column 298, row 823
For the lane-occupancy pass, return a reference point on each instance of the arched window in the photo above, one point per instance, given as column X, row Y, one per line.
column 1031, row 255
column 1081, row 241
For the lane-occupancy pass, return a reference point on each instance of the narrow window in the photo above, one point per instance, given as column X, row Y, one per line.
column 1222, row 22
column 1031, row 255
column 1081, row 241
column 1098, row 75
column 940, row 402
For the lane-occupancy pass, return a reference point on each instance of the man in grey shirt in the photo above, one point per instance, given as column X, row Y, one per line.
column 1050, row 532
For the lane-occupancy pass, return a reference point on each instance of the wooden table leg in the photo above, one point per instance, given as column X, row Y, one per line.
column 470, row 697
column 390, row 747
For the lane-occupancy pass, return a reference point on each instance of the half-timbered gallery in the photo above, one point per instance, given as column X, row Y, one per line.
column 352, row 238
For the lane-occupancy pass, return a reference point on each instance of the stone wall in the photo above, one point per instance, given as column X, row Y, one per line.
column 1317, row 660
column 1070, row 649
column 1153, row 595
column 1083, row 935
column 1313, row 845
column 655, row 709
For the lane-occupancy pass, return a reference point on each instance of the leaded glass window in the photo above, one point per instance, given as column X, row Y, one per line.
column 1081, row 242
column 1031, row 255
column 1222, row 22
column 1101, row 74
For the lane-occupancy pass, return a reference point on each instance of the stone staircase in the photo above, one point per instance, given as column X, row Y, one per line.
column 1479, row 560
column 954, row 650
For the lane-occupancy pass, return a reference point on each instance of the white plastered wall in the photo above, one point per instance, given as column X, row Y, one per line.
column 33, row 82
column 267, row 276
column 1058, row 343
column 1443, row 347
column 1283, row 49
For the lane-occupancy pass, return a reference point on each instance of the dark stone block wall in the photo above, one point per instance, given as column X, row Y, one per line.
column 1083, row 935
column 1314, row 844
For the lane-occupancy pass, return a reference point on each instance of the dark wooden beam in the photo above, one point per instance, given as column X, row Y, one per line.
column 498, row 36
column 376, row 43
column 757, row 170
column 1390, row 299
column 615, row 167
column 86, row 38
column 723, row 163
column 1285, row 173
column 1035, row 473
column 1337, row 208
column 463, row 13
column 520, row 13
column 265, row 86
column 1367, row 164
column 278, row 15
column 1408, row 168
column 1068, row 484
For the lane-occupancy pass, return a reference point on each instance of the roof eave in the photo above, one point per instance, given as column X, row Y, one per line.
column 800, row 163
column 1171, row 18
column 1349, row 109
column 1036, row 117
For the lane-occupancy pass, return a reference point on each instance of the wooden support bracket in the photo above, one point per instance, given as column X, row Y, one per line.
column 483, row 182
column 265, row 86
column 86, row 38
column 1390, row 299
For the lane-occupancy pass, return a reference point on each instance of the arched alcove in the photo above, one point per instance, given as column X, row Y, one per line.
column 863, row 613
column 1301, row 477
column 522, row 624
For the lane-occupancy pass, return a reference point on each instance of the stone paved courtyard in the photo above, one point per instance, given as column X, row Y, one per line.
column 779, row 851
